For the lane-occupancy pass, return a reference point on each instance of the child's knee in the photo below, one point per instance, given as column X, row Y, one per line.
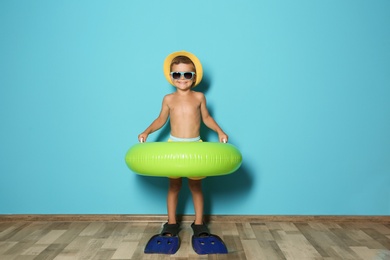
column 195, row 185
column 175, row 184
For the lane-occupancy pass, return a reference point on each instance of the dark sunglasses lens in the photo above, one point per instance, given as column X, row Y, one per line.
column 188, row 75
column 176, row 75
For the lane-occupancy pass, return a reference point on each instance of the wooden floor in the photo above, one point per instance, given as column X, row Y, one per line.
column 245, row 240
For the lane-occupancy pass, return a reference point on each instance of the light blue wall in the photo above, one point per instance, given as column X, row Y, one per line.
column 301, row 87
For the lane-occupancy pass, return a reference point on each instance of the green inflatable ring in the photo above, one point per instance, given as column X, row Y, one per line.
column 183, row 159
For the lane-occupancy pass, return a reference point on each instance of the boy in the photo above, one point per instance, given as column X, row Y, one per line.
column 185, row 108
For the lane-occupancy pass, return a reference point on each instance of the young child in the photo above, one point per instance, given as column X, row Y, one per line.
column 185, row 108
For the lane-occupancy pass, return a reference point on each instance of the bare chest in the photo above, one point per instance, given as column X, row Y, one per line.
column 185, row 106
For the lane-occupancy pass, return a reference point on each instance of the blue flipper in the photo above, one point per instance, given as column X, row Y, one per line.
column 211, row 244
column 203, row 242
column 159, row 244
column 167, row 242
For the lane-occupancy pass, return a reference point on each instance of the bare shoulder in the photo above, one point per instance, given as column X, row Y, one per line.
column 198, row 95
column 168, row 97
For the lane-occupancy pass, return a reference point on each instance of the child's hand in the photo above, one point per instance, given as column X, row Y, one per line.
column 223, row 138
column 142, row 137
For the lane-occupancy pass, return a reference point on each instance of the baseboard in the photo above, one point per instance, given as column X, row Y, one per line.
column 190, row 218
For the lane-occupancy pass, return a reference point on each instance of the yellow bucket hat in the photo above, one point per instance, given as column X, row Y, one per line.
column 192, row 57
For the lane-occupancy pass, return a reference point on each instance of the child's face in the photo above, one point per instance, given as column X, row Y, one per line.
column 183, row 83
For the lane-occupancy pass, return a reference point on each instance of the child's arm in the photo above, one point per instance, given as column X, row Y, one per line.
column 157, row 123
column 210, row 122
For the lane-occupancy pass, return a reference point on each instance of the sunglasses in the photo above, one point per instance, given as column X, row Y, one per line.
column 186, row 75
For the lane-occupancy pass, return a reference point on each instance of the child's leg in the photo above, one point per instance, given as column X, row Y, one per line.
column 172, row 198
column 197, row 197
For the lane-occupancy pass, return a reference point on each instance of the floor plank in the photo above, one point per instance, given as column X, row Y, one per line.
column 277, row 240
